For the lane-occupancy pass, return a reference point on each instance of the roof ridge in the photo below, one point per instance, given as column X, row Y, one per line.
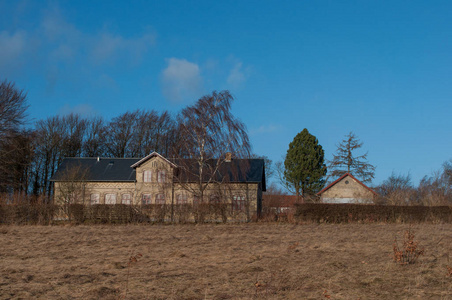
column 342, row 177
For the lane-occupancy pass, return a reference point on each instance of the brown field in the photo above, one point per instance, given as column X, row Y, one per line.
column 261, row 261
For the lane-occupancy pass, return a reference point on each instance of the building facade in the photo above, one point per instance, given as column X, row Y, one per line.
column 347, row 189
column 154, row 179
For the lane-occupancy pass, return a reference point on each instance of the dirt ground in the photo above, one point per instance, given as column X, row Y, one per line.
column 244, row 261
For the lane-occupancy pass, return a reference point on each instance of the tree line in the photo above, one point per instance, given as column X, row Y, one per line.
column 29, row 157
column 305, row 171
column 204, row 131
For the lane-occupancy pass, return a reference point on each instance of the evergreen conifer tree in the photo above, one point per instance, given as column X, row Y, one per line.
column 344, row 160
column 304, row 166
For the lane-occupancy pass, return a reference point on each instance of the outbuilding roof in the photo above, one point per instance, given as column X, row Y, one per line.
column 342, row 177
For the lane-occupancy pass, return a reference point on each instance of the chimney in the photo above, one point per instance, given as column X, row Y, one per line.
column 228, row 157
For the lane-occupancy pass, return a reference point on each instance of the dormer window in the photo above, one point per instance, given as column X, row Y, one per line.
column 147, row 176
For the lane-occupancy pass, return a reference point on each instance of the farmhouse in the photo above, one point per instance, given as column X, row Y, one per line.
column 154, row 179
column 347, row 189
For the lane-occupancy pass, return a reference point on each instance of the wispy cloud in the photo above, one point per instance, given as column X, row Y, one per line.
column 266, row 129
column 61, row 51
column 12, row 46
column 237, row 75
column 181, row 80
column 84, row 109
column 109, row 46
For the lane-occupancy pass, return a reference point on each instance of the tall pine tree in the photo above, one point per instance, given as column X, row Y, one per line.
column 345, row 161
column 304, row 167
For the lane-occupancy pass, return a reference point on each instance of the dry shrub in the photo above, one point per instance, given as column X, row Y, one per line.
column 182, row 213
column 133, row 259
column 22, row 209
column 410, row 252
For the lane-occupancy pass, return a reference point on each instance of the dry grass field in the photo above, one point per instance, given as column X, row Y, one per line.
column 244, row 261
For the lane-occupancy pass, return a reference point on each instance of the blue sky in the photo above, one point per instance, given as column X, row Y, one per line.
column 382, row 69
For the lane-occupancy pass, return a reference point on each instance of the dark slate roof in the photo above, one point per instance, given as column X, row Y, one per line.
column 120, row 170
column 106, row 169
column 237, row 170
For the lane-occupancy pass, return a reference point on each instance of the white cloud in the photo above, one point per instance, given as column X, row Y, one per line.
column 108, row 46
column 54, row 28
column 181, row 79
column 266, row 129
column 238, row 75
column 11, row 46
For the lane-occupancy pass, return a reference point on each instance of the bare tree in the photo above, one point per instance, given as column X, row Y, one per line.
column 73, row 134
column 143, row 133
column 94, row 144
column 48, row 153
column 119, row 134
column 397, row 190
column 437, row 189
column 345, row 160
column 208, row 131
column 274, row 189
column 72, row 188
column 15, row 153
column 13, row 107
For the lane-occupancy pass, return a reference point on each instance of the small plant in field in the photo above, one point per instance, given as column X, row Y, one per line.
column 409, row 252
column 449, row 271
column 133, row 259
column 292, row 247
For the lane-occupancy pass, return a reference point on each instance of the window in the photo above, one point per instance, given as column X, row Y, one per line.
column 161, row 176
column 70, row 199
column 238, row 203
column 94, row 198
column 147, row 176
column 160, row 199
column 146, row 199
column 181, row 199
column 110, row 199
column 196, row 200
column 214, row 199
column 126, row 199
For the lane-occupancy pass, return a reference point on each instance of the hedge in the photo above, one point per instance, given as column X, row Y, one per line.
column 344, row 213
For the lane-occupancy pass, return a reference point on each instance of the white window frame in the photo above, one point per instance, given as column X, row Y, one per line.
column 238, row 202
column 110, row 198
column 160, row 199
column 161, row 176
column 146, row 199
column 94, row 198
column 181, row 199
column 126, row 198
column 147, row 176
